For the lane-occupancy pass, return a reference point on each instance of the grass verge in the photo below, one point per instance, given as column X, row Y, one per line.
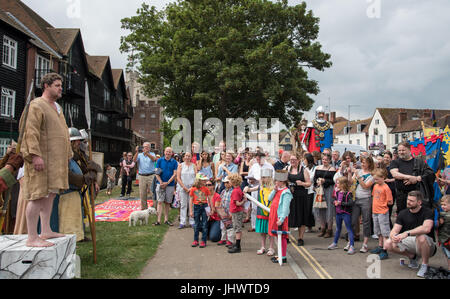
column 122, row 251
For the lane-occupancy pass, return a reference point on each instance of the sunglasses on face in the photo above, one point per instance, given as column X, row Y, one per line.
column 209, row 185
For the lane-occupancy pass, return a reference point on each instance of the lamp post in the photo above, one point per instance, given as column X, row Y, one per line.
column 348, row 121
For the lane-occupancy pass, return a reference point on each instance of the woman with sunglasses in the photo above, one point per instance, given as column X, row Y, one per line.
column 215, row 233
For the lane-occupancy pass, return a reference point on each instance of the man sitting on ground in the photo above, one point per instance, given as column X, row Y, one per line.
column 413, row 234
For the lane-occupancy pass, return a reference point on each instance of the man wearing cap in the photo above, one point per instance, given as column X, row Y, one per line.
column 146, row 168
column 260, row 163
column 283, row 163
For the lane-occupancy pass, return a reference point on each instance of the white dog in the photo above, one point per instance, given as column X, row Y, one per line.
column 141, row 216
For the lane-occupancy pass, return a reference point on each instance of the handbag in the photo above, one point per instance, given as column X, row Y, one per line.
column 319, row 200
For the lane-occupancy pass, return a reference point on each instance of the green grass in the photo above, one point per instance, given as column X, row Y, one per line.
column 122, row 251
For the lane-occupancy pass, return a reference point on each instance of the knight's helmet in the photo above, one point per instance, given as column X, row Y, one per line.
column 319, row 110
column 75, row 134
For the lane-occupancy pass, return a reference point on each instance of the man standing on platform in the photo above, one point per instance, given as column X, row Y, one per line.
column 46, row 150
column 146, row 167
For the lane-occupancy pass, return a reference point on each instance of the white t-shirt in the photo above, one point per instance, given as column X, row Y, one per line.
column 255, row 170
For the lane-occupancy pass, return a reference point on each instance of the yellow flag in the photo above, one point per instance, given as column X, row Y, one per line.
column 428, row 132
column 446, row 149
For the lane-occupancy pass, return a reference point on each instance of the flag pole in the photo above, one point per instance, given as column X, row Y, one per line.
column 92, row 187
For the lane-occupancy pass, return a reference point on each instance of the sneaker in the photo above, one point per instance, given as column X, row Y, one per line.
column 383, row 254
column 364, row 249
column 376, row 250
column 413, row 263
column 332, row 246
column 168, row 223
column 181, row 226
column 234, row 249
column 221, row 242
column 347, row 247
column 422, row 271
column 202, row 244
column 194, row 244
column 229, row 244
column 351, row 250
column 374, row 237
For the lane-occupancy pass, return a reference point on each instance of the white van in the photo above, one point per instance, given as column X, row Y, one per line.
column 342, row 148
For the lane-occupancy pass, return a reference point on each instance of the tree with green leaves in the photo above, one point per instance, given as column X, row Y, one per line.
column 229, row 58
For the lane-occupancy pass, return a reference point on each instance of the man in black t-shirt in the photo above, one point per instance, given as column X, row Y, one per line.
column 413, row 234
column 406, row 178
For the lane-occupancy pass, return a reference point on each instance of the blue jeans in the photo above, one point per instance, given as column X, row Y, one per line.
column 215, row 233
column 347, row 218
column 201, row 221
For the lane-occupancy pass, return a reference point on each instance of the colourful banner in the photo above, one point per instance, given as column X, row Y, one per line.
column 433, row 150
column 117, row 210
column 446, row 145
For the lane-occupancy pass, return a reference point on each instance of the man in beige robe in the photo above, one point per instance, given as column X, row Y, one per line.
column 46, row 150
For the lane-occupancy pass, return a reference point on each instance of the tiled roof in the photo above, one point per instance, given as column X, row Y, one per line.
column 339, row 127
column 64, row 38
column 416, row 124
column 31, row 20
column 97, row 64
column 117, row 74
column 5, row 18
column 390, row 115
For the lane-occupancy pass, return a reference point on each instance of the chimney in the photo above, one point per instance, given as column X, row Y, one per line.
column 402, row 116
column 333, row 117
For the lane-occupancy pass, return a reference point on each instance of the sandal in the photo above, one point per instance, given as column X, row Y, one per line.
column 270, row 252
column 261, row 251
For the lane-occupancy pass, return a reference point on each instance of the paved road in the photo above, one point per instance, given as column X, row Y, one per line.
column 176, row 259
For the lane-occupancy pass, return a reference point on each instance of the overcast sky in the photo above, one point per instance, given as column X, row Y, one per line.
column 385, row 53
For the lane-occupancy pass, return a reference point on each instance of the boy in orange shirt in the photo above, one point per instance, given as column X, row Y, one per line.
column 382, row 197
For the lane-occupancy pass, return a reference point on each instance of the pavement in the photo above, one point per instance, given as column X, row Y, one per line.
column 176, row 259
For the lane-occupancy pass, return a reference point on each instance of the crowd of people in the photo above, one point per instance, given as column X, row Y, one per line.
column 216, row 193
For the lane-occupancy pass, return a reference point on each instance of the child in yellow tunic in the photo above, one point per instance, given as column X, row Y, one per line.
column 262, row 218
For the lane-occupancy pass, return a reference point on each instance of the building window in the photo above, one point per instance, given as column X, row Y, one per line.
column 152, row 146
column 381, row 138
column 4, row 142
column 9, row 52
column 102, row 117
column 8, row 102
column 358, row 142
column 377, row 121
column 397, row 138
column 42, row 68
column 153, row 115
column 142, row 115
column 106, row 95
